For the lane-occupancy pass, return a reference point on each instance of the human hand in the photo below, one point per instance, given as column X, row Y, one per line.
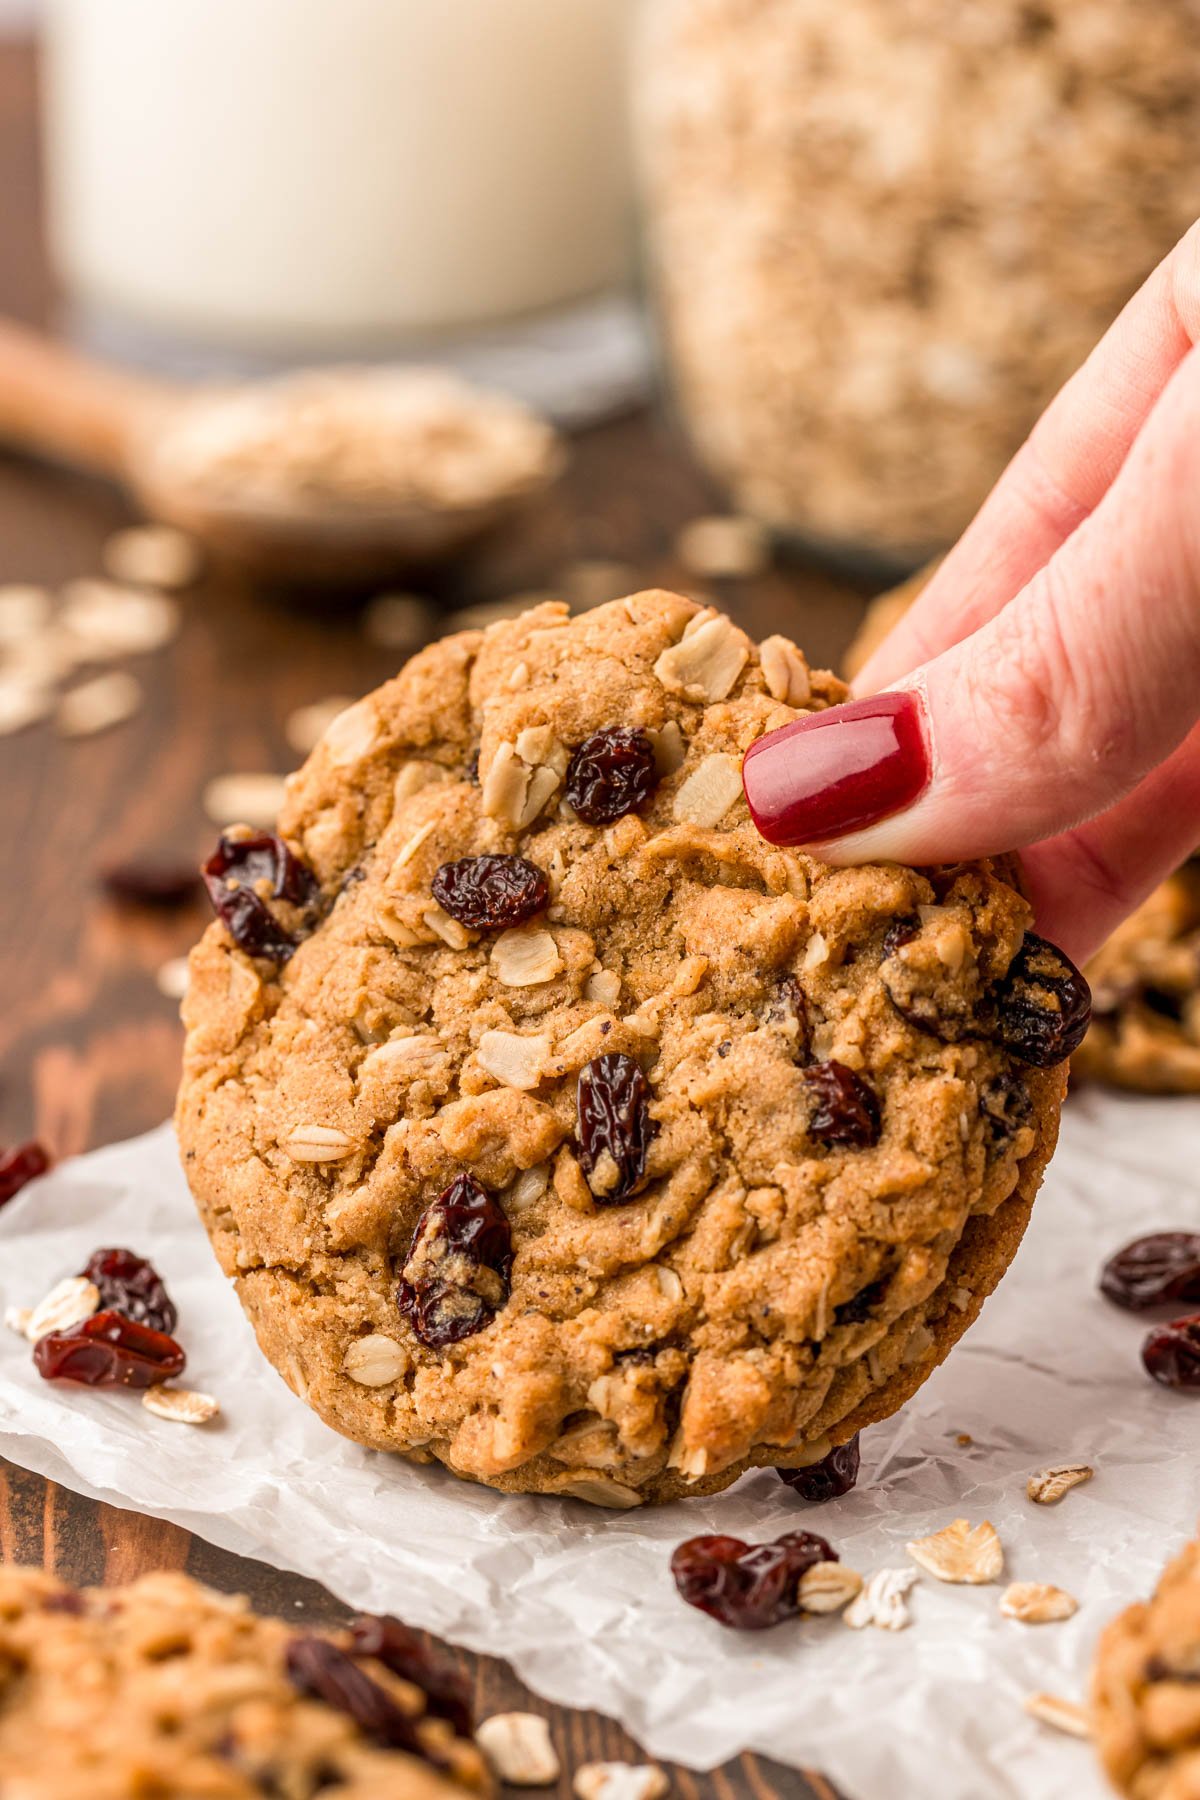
column 1043, row 693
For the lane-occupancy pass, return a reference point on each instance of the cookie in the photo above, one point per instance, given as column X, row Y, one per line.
column 165, row 1688
column 1146, row 1690
column 556, row 1127
column 1145, row 1030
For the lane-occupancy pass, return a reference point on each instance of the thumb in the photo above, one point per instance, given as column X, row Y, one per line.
column 1046, row 716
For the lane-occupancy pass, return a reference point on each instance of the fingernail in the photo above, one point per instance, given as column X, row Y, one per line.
column 837, row 771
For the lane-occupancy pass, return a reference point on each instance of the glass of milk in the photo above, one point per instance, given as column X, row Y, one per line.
column 239, row 183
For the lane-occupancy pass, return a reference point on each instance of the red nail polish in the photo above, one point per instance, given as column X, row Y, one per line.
column 833, row 772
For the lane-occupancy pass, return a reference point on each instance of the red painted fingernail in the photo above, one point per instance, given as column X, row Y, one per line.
column 837, row 771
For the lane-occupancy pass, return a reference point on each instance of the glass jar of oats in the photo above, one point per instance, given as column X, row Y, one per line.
column 883, row 232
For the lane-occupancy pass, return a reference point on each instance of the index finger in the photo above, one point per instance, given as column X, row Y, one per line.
column 1060, row 474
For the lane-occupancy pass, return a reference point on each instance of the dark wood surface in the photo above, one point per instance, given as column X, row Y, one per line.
column 88, row 1046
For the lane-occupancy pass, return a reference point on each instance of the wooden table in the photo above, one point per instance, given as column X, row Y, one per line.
column 88, row 1046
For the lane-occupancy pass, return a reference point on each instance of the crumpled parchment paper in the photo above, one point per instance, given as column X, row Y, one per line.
column 581, row 1600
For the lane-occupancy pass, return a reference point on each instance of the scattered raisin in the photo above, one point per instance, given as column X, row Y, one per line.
column 236, row 874
column 860, row 1306
column 447, row 1692
column 1171, row 1353
column 129, row 1284
column 457, row 1271
column 319, row 1669
column 490, row 893
column 615, row 1127
column 1040, row 1011
column 20, row 1166
column 747, row 1586
column 828, row 1479
column 109, row 1350
column 151, row 884
column 612, row 773
column 1154, row 1270
column 1005, row 1108
column 846, row 1110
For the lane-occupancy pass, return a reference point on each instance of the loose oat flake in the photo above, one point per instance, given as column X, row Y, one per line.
column 620, row 1781
column 22, row 703
column 1048, row 1486
column 182, row 1406
column 305, row 726
column 1037, row 1603
column 253, row 799
column 68, row 1303
column 519, row 1747
column 110, row 620
column 171, row 977
column 98, row 704
column 1061, row 1715
column 723, row 547
column 152, row 556
column 882, row 1601
column 961, row 1553
column 827, row 1587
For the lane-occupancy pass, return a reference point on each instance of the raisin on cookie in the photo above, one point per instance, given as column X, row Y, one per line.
column 165, row 1688
column 1145, row 1030
column 570, row 1134
column 1146, row 1689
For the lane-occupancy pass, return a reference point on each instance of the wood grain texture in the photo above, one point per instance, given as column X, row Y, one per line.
column 88, row 1046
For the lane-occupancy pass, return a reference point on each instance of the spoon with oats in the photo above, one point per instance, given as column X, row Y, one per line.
column 326, row 475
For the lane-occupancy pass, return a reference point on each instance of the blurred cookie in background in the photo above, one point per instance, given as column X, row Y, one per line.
column 1146, row 1689
column 1145, row 1030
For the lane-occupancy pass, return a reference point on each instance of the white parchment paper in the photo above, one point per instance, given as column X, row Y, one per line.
column 581, row 1601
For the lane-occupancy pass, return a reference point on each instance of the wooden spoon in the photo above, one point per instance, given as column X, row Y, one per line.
column 144, row 433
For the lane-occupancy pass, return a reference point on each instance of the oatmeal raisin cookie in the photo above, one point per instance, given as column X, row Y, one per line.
column 554, row 1125
column 1146, row 1689
column 165, row 1688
